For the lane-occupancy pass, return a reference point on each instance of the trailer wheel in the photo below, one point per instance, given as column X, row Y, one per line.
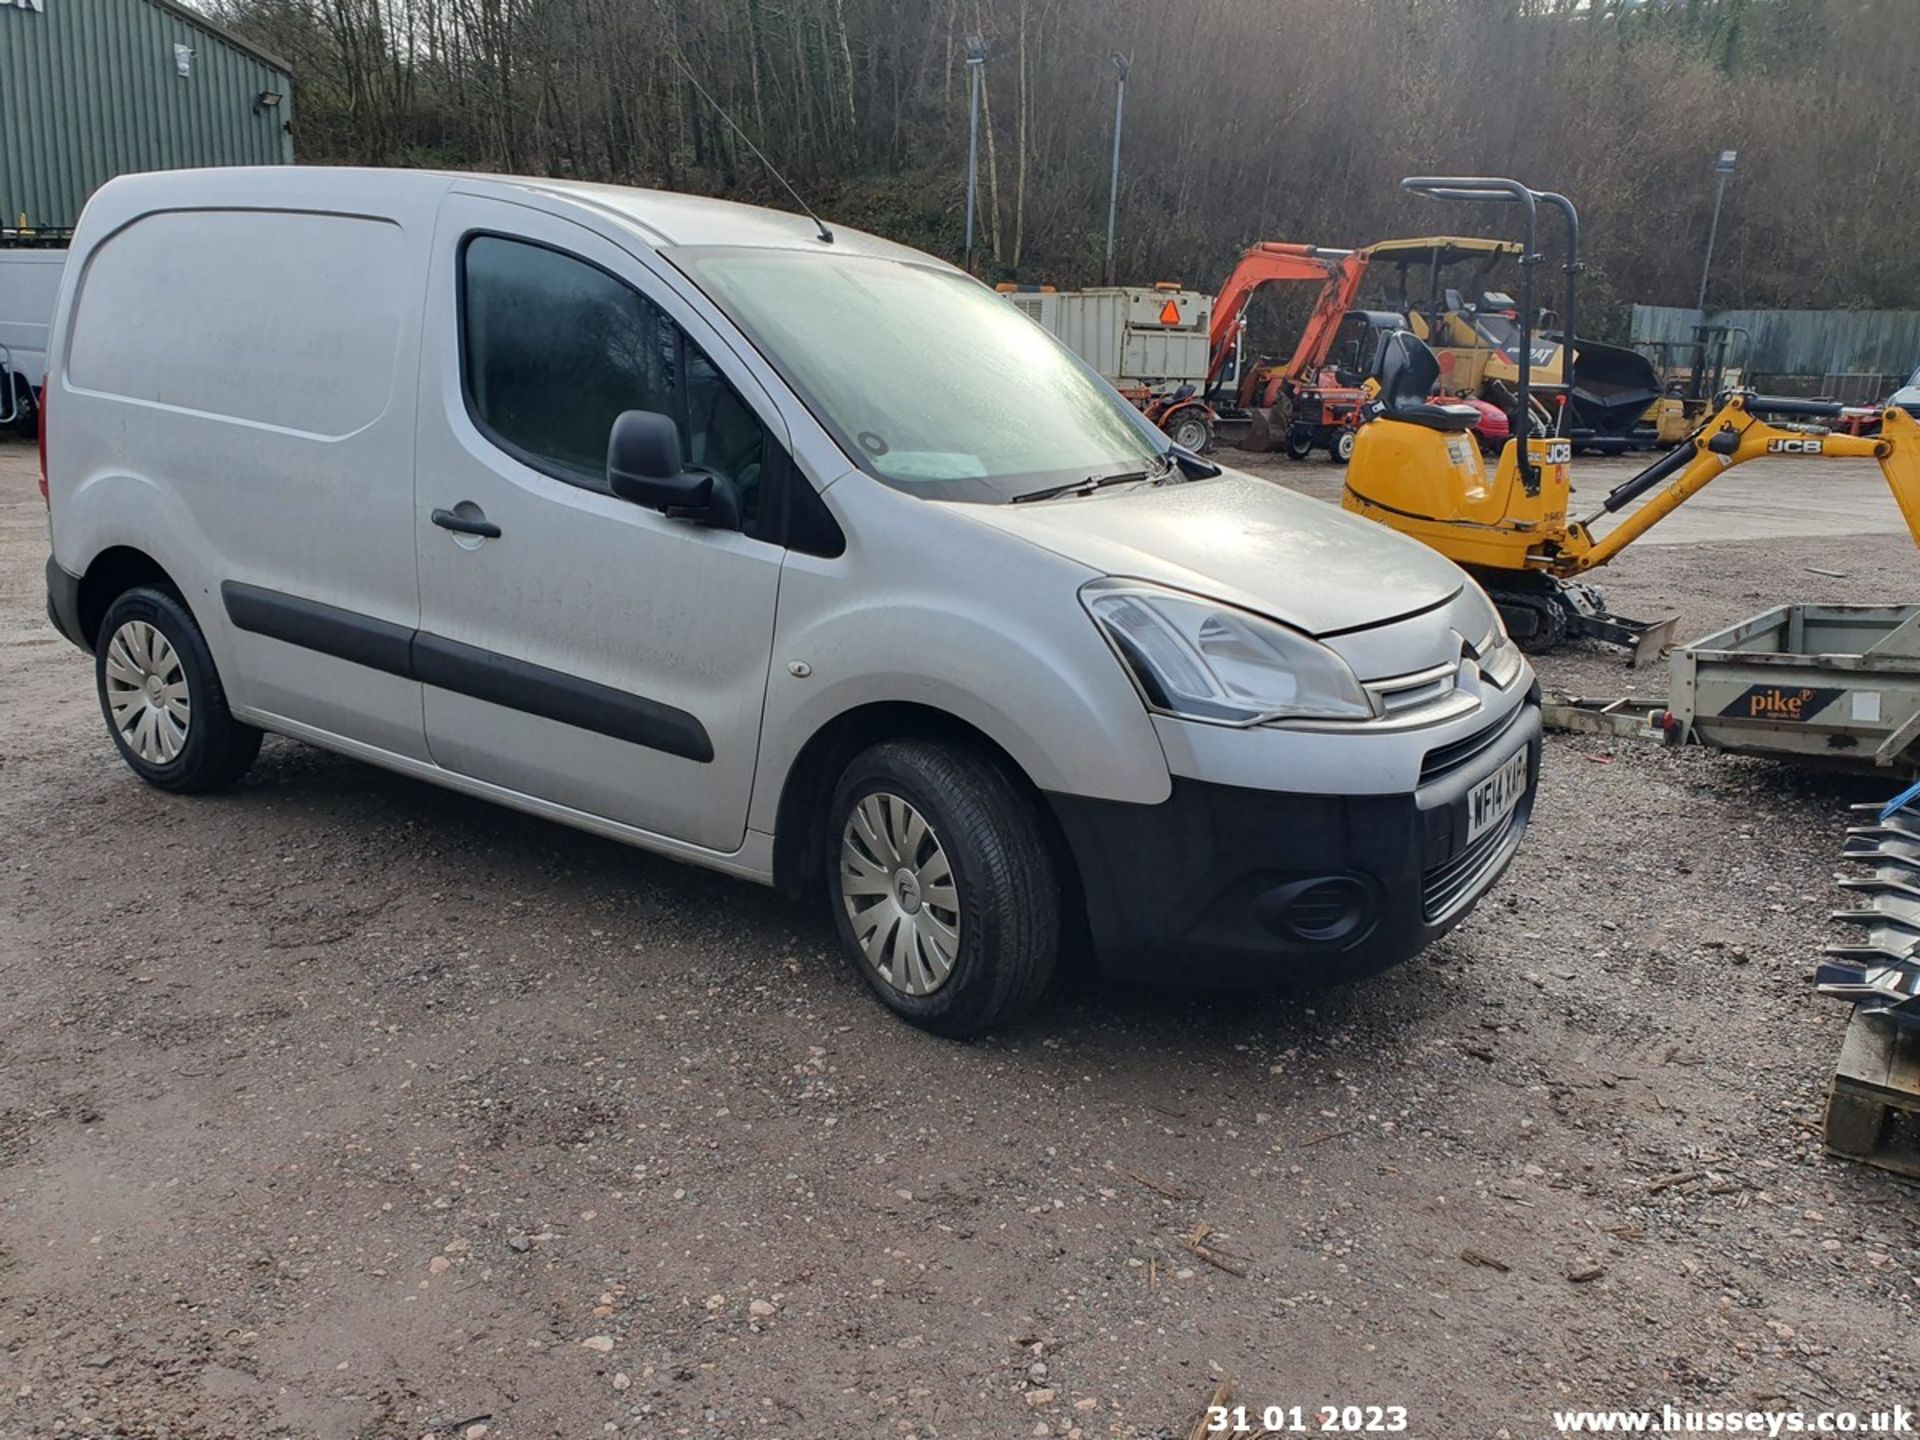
column 1300, row 443
column 1190, row 429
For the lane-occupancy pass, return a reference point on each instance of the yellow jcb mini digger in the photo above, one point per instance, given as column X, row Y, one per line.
column 1416, row 469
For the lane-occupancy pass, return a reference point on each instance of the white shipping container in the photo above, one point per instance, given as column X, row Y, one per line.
column 1134, row 335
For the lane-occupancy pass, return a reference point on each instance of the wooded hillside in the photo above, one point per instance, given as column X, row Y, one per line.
column 1246, row 119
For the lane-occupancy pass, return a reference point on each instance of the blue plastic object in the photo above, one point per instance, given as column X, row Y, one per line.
column 1900, row 801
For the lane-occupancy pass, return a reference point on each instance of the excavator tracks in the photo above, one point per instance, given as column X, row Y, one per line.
column 1541, row 611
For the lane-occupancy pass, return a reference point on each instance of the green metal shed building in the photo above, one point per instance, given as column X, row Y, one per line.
column 90, row 89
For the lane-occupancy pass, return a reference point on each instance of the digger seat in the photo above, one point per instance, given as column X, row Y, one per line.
column 1407, row 372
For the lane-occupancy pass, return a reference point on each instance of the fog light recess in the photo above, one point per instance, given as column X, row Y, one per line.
column 1323, row 911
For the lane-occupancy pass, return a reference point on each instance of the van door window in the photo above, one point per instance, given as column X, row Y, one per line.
column 553, row 348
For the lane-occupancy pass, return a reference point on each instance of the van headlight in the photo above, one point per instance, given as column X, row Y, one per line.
column 1499, row 658
column 1202, row 660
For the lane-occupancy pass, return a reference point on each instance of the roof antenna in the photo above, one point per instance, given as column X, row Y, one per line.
column 825, row 233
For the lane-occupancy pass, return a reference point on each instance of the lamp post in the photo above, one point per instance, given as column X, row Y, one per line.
column 976, row 65
column 1121, row 64
column 1722, row 168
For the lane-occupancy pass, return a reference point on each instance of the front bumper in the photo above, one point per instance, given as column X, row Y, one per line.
column 1224, row 885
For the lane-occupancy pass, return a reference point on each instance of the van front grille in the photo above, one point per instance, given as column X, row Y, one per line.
column 1443, row 760
column 1452, row 884
column 1401, row 694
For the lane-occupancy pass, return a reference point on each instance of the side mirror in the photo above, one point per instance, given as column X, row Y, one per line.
column 644, row 466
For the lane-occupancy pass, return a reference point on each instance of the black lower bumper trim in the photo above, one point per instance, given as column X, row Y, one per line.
column 1222, row 885
column 63, row 603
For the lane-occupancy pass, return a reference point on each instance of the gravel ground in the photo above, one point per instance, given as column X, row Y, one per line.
column 341, row 1106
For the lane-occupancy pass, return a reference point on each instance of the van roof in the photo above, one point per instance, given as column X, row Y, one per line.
column 662, row 218
column 677, row 219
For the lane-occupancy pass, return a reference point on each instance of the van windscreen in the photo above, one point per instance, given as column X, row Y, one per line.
column 931, row 381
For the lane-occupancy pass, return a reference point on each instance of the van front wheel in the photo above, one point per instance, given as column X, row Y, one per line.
column 164, row 705
column 942, row 885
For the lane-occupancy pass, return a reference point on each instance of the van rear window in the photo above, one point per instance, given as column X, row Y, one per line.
column 285, row 320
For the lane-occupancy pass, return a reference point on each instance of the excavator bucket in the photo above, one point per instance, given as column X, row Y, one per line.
column 1612, row 389
column 1259, row 433
column 1647, row 641
column 1650, row 646
column 1588, row 616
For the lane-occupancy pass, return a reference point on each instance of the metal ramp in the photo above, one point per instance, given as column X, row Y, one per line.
column 1873, row 1105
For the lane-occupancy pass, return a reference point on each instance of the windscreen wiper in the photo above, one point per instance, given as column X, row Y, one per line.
column 1097, row 482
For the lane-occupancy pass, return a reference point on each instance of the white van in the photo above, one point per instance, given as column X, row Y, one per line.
column 807, row 559
column 29, row 287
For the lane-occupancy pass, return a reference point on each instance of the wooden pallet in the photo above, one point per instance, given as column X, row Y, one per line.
column 1873, row 1109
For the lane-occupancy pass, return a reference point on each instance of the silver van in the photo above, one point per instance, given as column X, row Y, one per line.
column 807, row 559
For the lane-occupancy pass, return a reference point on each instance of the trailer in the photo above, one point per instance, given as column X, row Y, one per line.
column 1150, row 342
column 1835, row 684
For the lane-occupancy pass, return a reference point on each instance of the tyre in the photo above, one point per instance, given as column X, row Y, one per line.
column 1299, row 442
column 1191, row 430
column 942, row 885
column 164, row 705
column 1340, row 447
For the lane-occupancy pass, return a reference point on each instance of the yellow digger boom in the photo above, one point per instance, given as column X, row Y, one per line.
column 1733, row 436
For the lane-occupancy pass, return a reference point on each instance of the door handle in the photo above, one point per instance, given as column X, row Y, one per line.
column 466, row 524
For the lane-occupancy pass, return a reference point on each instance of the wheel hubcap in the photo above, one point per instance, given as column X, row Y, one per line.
column 897, row 885
column 147, row 692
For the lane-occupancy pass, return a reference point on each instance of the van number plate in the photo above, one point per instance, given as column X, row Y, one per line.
column 1493, row 799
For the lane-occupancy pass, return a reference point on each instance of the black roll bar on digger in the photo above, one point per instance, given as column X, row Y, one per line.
column 1485, row 187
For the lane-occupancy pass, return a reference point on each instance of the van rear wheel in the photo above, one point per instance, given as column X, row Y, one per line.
column 942, row 884
column 164, row 705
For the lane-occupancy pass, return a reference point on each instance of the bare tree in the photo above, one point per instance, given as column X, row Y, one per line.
column 1246, row 119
